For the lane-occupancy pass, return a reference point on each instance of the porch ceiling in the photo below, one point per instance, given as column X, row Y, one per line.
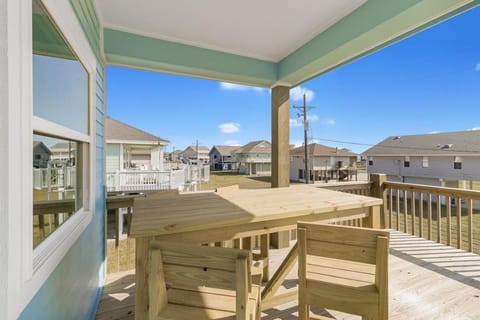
column 260, row 43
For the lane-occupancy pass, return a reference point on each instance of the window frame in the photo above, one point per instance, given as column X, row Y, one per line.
column 457, row 163
column 425, row 162
column 28, row 269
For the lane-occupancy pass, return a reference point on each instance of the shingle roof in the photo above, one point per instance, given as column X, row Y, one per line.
column 316, row 149
column 117, row 130
column 446, row 143
column 225, row 150
column 260, row 146
column 203, row 149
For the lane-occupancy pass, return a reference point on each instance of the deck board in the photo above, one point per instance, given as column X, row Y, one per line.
column 427, row 281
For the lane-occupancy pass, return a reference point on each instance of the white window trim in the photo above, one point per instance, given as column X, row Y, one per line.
column 26, row 270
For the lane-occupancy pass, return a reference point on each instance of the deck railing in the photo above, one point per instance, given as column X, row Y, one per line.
column 363, row 188
column 445, row 215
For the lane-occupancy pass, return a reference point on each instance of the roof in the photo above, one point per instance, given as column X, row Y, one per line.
column 260, row 146
column 235, row 41
column 194, row 148
column 117, row 130
column 40, row 144
column 446, row 143
column 316, row 149
column 225, row 150
column 63, row 146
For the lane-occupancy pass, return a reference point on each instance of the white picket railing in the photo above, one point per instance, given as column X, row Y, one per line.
column 134, row 180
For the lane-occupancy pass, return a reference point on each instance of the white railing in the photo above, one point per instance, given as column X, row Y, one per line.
column 134, row 180
column 54, row 178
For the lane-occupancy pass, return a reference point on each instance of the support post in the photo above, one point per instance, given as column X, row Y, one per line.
column 280, row 136
column 379, row 191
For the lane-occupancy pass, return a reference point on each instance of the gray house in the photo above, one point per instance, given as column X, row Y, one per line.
column 450, row 159
column 222, row 158
column 41, row 154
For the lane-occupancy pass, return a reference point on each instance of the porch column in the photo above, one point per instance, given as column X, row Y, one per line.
column 280, row 136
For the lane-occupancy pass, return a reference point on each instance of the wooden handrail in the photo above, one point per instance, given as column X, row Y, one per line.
column 53, row 206
column 437, row 202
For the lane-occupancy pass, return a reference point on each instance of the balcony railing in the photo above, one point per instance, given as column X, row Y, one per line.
column 446, row 215
column 135, row 180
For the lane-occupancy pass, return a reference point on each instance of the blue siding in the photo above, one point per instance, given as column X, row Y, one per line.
column 73, row 290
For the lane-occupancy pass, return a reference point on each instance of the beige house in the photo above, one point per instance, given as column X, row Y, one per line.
column 324, row 163
column 131, row 148
column 254, row 158
column 192, row 153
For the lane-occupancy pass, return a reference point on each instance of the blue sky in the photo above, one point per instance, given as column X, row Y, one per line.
column 427, row 83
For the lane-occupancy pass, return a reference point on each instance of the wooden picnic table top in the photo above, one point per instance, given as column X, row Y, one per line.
column 170, row 212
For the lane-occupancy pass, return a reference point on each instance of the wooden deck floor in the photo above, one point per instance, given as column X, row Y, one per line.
column 427, row 281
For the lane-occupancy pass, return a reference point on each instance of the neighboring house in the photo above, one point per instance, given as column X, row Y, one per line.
column 324, row 163
column 254, row 158
column 221, row 158
column 131, row 148
column 64, row 152
column 450, row 159
column 192, row 153
column 41, row 154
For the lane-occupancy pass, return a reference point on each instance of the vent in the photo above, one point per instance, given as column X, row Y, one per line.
column 446, row 146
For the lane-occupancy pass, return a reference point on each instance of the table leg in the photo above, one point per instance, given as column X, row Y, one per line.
column 373, row 219
column 264, row 254
column 141, row 277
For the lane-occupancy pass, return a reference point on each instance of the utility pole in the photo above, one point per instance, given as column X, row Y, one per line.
column 303, row 112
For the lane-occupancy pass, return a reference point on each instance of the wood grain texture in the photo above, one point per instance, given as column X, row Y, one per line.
column 426, row 281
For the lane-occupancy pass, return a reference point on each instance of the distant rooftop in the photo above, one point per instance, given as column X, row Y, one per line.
column 446, row 143
column 225, row 150
column 316, row 149
column 255, row 147
column 117, row 130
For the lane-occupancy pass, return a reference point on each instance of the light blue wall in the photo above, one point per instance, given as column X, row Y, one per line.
column 72, row 291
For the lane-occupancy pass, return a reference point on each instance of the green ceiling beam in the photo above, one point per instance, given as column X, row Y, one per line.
column 127, row 49
column 376, row 24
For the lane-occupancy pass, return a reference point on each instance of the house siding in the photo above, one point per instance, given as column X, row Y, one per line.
column 439, row 167
column 73, row 290
column 112, row 157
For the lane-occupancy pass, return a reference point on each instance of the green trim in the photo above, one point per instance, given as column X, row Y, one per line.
column 375, row 25
column 87, row 17
column 125, row 48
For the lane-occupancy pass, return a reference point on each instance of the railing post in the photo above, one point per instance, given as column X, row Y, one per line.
column 379, row 191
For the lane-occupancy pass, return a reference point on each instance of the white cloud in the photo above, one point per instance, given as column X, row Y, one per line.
column 297, row 143
column 312, row 117
column 314, row 141
column 474, row 128
column 229, row 127
column 296, row 123
column 329, row 122
column 239, row 87
column 296, row 94
column 232, row 143
column 477, row 67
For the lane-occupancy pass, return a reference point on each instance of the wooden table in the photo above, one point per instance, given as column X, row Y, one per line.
column 229, row 213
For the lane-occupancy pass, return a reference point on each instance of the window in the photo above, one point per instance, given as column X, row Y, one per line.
column 370, row 161
column 457, row 163
column 425, row 162
column 60, row 128
column 406, row 162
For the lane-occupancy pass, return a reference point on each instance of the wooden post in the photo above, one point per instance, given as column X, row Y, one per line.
column 379, row 191
column 280, row 136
